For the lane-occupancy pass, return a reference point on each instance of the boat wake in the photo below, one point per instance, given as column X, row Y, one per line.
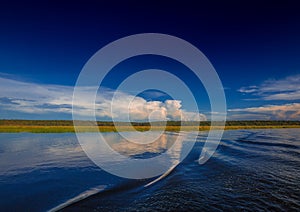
column 79, row 197
column 163, row 175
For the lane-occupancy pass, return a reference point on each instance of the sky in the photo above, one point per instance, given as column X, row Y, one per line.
column 254, row 47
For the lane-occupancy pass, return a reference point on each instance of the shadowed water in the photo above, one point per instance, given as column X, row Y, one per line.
column 251, row 170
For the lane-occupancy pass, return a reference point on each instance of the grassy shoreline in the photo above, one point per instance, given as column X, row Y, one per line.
column 70, row 129
column 66, row 126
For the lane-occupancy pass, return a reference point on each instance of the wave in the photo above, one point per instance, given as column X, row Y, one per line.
column 79, row 197
column 267, row 143
column 163, row 175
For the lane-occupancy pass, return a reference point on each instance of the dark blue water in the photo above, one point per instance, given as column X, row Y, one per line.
column 251, row 170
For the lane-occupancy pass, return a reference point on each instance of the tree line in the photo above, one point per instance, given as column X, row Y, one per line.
column 6, row 122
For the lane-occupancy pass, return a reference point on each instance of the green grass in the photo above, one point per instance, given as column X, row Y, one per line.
column 70, row 129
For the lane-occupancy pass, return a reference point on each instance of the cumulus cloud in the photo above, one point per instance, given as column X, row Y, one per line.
column 140, row 109
column 286, row 111
column 33, row 98
column 282, row 89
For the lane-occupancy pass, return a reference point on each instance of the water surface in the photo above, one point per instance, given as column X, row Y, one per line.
column 251, row 170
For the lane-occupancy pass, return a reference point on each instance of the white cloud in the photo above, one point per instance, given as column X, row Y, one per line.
column 34, row 98
column 249, row 89
column 272, row 89
column 140, row 109
column 286, row 111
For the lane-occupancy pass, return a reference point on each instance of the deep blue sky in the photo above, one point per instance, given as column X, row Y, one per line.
column 248, row 42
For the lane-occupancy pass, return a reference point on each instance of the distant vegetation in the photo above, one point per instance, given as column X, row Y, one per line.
column 169, row 123
column 62, row 126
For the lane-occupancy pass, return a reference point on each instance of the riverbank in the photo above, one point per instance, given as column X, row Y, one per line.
column 70, row 129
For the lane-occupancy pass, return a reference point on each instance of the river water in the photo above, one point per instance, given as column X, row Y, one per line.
column 251, row 170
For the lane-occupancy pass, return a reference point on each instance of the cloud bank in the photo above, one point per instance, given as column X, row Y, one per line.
column 34, row 98
column 282, row 89
column 285, row 91
column 280, row 112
